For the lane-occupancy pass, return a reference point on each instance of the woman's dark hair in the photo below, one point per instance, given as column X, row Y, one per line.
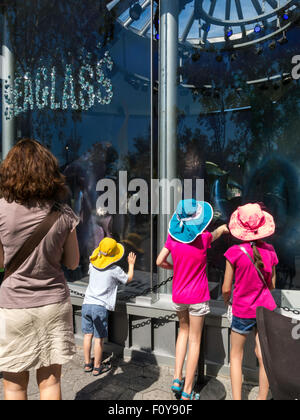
column 257, row 257
column 30, row 172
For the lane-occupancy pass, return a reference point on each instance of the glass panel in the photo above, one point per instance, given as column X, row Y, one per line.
column 194, row 32
column 83, row 89
column 184, row 17
column 238, row 129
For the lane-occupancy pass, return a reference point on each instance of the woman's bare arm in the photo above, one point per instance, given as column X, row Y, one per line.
column 70, row 258
column 162, row 260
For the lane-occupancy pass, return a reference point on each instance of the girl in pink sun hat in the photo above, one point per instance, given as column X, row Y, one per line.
column 252, row 264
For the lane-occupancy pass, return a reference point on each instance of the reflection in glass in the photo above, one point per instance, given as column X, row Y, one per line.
column 238, row 125
column 84, row 92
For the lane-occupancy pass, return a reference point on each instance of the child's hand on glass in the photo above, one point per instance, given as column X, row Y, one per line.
column 131, row 258
column 226, row 229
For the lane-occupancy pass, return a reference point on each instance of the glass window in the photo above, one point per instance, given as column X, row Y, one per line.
column 238, row 128
column 82, row 88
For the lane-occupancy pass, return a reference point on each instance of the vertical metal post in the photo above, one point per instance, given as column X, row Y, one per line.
column 151, row 143
column 7, row 74
column 169, row 10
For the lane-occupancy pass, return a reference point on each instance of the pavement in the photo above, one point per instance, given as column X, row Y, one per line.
column 130, row 380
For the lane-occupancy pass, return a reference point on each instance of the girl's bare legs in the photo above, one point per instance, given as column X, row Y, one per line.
column 236, row 361
column 15, row 386
column 48, row 379
column 263, row 379
column 194, row 342
column 181, row 343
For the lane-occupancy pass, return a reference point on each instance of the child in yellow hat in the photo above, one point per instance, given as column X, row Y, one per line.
column 100, row 297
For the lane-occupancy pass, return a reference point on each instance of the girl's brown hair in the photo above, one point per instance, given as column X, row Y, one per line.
column 30, row 172
column 257, row 257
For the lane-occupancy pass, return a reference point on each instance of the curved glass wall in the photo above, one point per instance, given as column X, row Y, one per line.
column 238, row 128
column 82, row 86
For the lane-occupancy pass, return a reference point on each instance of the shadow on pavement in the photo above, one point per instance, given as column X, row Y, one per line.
column 211, row 389
column 125, row 381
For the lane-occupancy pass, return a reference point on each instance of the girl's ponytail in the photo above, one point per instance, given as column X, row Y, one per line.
column 257, row 257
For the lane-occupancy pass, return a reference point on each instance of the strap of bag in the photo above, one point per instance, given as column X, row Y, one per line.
column 32, row 242
column 258, row 270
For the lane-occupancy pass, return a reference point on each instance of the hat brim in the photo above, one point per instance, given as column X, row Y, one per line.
column 238, row 230
column 103, row 261
column 189, row 231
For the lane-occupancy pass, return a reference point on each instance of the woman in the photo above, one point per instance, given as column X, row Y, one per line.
column 252, row 264
column 35, row 308
column 188, row 243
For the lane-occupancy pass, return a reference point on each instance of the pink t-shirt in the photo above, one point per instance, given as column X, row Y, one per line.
column 190, row 284
column 249, row 290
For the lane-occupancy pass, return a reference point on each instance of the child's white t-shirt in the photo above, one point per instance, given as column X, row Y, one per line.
column 103, row 286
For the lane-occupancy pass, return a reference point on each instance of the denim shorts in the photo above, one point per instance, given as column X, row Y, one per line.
column 95, row 320
column 243, row 325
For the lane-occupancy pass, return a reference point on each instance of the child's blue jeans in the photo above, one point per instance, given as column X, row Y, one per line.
column 95, row 320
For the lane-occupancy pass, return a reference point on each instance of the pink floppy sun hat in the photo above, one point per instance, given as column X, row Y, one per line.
column 250, row 223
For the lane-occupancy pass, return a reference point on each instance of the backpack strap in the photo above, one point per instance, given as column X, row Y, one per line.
column 257, row 269
column 33, row 241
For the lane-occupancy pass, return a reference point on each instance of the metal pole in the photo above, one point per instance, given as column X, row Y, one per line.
column 151, row 145
column 169, row 10
column 7, row 74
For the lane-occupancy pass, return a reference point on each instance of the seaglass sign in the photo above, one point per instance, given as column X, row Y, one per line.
column 78, row 88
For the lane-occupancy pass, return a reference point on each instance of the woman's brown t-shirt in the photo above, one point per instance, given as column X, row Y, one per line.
column 40, row 280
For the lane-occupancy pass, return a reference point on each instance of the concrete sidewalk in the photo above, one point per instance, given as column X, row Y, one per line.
column 129, row 380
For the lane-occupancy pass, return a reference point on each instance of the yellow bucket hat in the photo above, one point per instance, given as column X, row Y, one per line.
column 107, row 253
